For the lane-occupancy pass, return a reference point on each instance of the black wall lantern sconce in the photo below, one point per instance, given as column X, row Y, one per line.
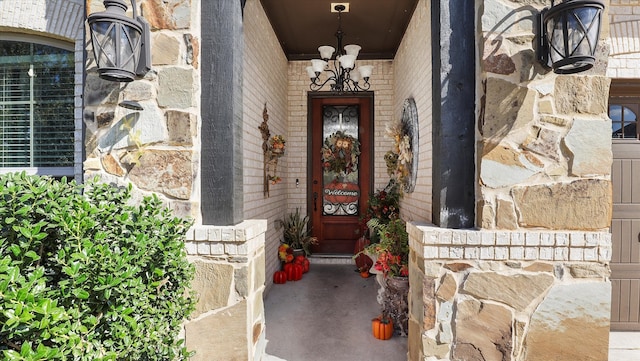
column 568, row 35
column 121, row 45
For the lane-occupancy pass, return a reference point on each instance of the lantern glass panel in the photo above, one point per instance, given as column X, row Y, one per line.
column 575, row 34
column 117, row 46
column 130, row 51
column 127, row 47
column 582, row 34
column 556, row 41
column 592, row 24
column 104, row 33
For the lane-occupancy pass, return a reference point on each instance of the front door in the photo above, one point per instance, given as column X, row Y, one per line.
column 341, row 168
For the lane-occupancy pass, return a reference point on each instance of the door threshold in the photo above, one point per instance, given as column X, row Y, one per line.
column 331, row 258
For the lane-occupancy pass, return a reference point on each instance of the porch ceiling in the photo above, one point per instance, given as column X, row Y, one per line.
column 304, row 25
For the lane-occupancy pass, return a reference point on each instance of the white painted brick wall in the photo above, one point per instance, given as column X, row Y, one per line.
column 265, row 82
column 624, row 2
column 434, row 242
column 624, row 38
column 242, row 241
column 409, row 74
column 413, row 75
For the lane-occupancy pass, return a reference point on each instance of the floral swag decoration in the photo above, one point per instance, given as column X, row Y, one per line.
column 277, row 143
column 399, row 158
column 277, row 146
column 340, row 153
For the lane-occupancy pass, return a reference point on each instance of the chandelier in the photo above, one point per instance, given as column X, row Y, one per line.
column 342, row 77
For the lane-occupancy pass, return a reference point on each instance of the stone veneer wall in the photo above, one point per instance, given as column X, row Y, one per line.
column 413, row 76
column 157, row 150
column 532, row 282
column 508, row 295
column 624, row 21
column 229, row 320
column 544, row 142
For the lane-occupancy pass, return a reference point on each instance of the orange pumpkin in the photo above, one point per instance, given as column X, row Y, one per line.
column 382, row 328
column 364, row 274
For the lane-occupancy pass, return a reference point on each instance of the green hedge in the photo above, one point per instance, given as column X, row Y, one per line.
column 87, row 275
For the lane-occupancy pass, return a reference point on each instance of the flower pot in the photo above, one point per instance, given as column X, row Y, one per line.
column 398, row 284
column 395, row 303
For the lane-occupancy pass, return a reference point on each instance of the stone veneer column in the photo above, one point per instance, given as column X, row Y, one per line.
column 544, row 147
column 155, row 149
column 532, row 283
column 229, row 320
column 508, row 295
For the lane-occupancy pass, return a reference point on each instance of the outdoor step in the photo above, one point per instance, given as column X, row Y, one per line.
column 327, row 258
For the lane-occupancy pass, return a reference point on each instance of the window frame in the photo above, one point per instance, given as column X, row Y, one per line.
column 74, row 171
column 634, row 107
column 626, row 93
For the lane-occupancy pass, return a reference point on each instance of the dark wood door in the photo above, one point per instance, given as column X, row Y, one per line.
column 341, row 168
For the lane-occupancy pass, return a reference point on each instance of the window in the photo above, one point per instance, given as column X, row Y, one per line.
column 623, row 120
column 36, row 107
column 624, row 108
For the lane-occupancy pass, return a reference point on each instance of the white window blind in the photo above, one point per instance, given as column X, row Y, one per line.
column 36, row 106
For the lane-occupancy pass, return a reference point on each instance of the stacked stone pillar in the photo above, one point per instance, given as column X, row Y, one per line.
column 189, row 151
column 508, row 295
column 531, row 281
column 229, row 321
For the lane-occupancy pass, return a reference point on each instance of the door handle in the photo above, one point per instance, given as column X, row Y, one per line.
column 315, row 201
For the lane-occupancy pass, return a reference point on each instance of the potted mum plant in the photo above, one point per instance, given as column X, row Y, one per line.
column 297, row 232
column 392, row 250
column 383, row 206
column 390, row 255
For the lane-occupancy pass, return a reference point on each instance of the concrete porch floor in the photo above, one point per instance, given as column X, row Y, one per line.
column 327, row 316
